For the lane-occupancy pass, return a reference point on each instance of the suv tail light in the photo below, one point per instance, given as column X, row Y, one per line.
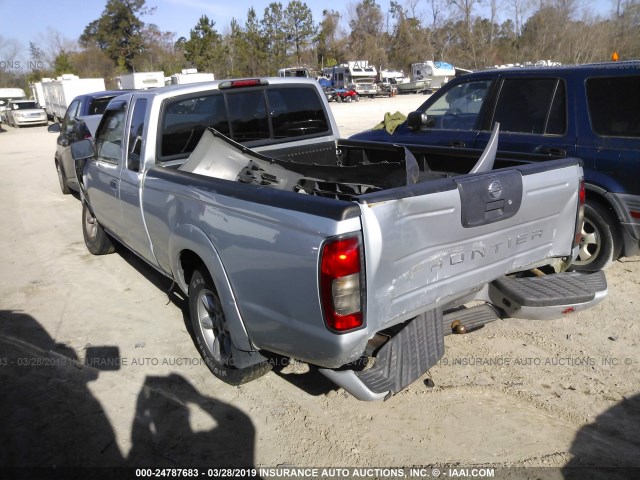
column 342, row 283
column 582, row 195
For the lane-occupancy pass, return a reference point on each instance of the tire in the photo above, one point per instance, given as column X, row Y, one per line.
column 601, row 243
column 63, row 181
column 357, row 98
column 95, row 238
column 348, row 99
column 211, row 334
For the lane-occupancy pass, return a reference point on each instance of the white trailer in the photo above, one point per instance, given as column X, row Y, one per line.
column 140, row 80
column 438, row 73
column 299, row 72
column 59, row 93
column 191, row 75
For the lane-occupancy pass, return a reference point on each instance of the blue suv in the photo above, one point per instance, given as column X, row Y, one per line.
column 586, row 111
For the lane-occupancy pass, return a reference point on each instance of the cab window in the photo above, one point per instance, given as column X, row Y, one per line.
column 109, row 136
column 135, row 135
column 531, row 105
column 459, row 108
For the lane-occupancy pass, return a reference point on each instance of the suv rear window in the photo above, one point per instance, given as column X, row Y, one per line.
column 531, row 105
column 99, row 105
column 614, row 104
column 243, row 115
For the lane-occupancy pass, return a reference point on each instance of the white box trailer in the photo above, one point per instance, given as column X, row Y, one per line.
column 191, row 75
column 140, row 80
column 59, row 93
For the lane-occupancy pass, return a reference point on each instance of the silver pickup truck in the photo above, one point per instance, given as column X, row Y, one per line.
column 355, row 257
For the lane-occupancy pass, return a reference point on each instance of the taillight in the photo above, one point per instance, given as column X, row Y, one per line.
column 341, row 283
column 582, row 196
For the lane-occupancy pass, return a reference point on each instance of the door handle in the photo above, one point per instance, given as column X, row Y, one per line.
column 457, row 144
column 114, row 184
column 561, row 152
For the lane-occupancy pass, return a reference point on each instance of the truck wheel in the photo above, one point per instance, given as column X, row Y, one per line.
column 95, row 238
column 211, row 333
column 63, row 181
column 600, row 244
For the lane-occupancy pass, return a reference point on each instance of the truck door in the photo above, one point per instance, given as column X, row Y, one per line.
column 104, row 173
column 533, row 114
column 134, row 230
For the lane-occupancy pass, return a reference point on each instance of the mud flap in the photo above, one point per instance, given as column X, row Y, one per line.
column 406, row 356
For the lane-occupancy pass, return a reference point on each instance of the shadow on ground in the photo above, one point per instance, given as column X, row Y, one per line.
column 608, row 448
column 49, row 416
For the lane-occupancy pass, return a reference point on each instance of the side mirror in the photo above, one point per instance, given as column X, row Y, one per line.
column 417, row 120
column 54, row 128
column 82, row 150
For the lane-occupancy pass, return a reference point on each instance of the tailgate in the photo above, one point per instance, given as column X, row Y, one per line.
column 442, row 238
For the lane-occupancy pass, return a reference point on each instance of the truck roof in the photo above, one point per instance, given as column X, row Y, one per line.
column 174, row 90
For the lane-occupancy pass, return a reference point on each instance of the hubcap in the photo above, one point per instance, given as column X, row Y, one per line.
column 60, row 175
column 90, row 224
column 590, row 244
column 213, row 326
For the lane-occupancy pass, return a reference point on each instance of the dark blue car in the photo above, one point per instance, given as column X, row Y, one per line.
column 586, row 111
column 79, row 122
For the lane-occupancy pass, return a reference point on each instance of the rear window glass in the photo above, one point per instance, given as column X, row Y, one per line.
column 97, row 106
column 296, row 112
column 185, row 121
column 614, row 104
column 524, row 106
column 244, row 115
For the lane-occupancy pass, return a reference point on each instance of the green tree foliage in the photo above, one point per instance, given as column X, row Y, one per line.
column 368, row 38
column 204, row 49
column 274, row 31
column 330, row 44
column 119, row 31
column 300, row 27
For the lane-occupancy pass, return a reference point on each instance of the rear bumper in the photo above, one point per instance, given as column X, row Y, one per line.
column 419, row 345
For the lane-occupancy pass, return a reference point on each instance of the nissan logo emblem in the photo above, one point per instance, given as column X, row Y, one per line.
column 495, row 190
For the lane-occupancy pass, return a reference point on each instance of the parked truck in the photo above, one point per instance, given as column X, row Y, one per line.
column 355, row 257
column 60, row 93
column 357, row 75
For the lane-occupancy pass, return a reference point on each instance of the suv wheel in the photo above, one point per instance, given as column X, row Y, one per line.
column 61, row 178
column 600, row 244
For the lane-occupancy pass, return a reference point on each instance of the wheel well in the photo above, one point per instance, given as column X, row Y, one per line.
column 594, row 196
column 189, row 263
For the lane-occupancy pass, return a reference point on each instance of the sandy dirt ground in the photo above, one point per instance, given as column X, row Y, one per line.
column 515, row 393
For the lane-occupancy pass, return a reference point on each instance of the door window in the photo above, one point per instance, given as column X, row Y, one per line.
column 530, row 105
column 459, row 108
column 69, row 119
column 135, row 135
column 614, row 104
column 109, row 136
